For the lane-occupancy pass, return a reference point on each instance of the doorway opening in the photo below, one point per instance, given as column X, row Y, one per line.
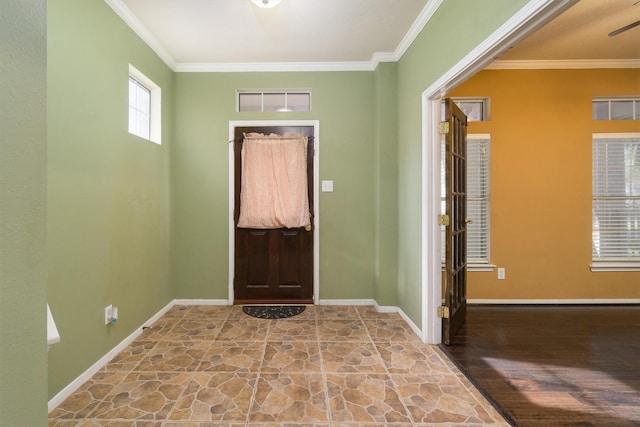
column 530, row 18
column 259, row 126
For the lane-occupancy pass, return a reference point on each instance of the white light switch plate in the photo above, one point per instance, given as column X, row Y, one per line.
column 327, row 186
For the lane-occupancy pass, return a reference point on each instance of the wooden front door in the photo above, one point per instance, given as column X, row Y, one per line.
column 455, row 221
column 273, row 266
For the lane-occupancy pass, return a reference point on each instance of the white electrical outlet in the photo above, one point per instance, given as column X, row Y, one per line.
column 501, row 273
column 327, row 186
column 108, row 314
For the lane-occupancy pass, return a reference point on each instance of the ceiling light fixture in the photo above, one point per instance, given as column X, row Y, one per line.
column 266, row 3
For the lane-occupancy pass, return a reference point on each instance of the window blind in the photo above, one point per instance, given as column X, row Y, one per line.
column 478, row 147
column 616, row 197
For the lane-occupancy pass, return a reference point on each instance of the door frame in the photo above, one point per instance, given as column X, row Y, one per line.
column 316, row 196
column 531, row 17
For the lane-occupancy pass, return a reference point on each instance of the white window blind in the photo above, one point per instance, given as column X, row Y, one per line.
column 616, row 198
column 478, row 156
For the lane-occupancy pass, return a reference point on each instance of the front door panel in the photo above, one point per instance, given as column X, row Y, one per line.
column 274, row 265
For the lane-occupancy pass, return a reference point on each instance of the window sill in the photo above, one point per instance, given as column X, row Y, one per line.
column 478, row 267
column 598, row 266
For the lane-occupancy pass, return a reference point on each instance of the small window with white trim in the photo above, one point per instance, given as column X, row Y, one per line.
column 144, row 106
column 616, row 108
column 476, row 109
column 616, row 202
column 276, row 100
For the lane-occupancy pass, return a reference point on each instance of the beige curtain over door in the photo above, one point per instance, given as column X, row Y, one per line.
column 273, row 190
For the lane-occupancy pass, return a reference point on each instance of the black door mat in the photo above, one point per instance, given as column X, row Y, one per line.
column 273, row 311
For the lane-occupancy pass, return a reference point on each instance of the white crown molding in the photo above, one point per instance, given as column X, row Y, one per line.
column 379, row 57
column 422, row 19
column 138, row 27
column 564, row 64
column 255, row 67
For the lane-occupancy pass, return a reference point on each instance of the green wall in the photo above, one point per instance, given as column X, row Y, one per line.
column 108, row 191
column 456, row 28
column 205, row 103
column 385, row 155
column 23, row 167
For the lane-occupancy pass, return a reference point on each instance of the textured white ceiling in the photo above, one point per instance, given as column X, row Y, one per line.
column 237, row 31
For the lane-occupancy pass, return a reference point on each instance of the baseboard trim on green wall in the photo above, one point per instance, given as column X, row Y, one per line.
column 201, row 302
column 554, row 301
column 416, row 330
column 346, row 302
column 93, row 369
column 374, row 303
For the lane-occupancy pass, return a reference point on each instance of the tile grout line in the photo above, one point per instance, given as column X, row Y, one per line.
column 323, row 371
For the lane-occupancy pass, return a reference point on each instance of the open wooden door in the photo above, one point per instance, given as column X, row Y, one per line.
column 273, row 266
column 454, row 308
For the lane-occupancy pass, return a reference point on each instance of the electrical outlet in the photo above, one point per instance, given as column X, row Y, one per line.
column 501, row 273
column 108, row 314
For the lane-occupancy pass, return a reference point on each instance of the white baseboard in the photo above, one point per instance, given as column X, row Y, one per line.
column 412, row 325
column 201, row 302
column 93, row 369
column 346, row 302
column 385, row 308
column 552, row 301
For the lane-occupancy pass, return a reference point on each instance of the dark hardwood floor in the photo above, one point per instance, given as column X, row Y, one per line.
column 555, row 365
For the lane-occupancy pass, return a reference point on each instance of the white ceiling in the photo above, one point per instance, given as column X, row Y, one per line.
column 237, row 31
column 189, row 34
column 582, row 33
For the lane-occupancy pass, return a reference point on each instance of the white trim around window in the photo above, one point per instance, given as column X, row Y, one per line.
column 616, row 202
column 145, row 106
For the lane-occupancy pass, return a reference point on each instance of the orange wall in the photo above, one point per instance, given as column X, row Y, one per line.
column 541, row 130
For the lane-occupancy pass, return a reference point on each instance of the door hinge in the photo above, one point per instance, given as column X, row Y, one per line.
column 443, row 220
column 443, row 312
column 443, row 128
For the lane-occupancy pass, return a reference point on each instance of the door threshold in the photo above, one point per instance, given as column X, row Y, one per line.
column 274, row 302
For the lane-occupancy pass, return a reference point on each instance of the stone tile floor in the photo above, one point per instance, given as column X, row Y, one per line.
column 341, row 366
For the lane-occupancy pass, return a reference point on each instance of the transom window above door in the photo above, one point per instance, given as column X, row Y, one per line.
column 273, row 100
column 616, row 108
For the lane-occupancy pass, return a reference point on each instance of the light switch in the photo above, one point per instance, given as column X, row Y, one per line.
column 327, row 186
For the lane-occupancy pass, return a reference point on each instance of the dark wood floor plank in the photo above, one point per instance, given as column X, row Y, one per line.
column 555, row 365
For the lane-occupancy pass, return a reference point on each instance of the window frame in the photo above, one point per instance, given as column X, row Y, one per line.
column 269, row 92
column 477, row 265
column 599, row 264
column 635, row 107
column 155, row 106
column 485, row 101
